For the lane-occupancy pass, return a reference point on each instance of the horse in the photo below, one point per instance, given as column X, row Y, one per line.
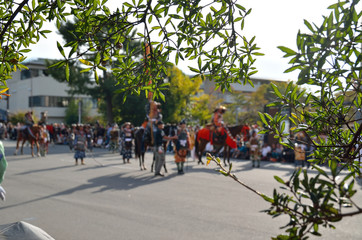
column 233, row 132
column 205, row 135
column 140, row 147
column 143, row 140
column 24, row 136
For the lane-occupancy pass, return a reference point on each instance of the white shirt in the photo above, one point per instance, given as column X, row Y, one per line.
column 265, row 150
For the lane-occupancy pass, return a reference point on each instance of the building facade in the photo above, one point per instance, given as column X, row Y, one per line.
column 35, row 90
column 208, row 87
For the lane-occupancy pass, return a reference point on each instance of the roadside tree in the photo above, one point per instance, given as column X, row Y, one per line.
column 329, row 58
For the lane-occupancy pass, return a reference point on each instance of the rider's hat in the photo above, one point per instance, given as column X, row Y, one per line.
column 222, row 108
column 126, row 123
column 183, row 121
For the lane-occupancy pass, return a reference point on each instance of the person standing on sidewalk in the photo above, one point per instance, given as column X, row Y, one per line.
column 80, row 145
column 254, row 149
column 159, row 150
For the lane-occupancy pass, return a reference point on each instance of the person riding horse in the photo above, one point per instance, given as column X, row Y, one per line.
column 29, row 122
column 154, row 115
column 218, row 124
column 43, row 118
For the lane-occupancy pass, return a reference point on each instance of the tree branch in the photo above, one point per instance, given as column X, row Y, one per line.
column 11, row 19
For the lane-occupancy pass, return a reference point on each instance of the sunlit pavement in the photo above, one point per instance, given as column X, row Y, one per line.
column 106, row 199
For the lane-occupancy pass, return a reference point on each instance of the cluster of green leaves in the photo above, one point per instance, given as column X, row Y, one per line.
column 329, row 57
column 182, row 87
column 21, row 24
column 188, row 30
column 313, row 201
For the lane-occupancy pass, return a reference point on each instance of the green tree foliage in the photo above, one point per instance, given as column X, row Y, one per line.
column 329, row 56
column 202, row 108
column 82, row 82
column 237, row 111
column 203, row 31
column 246, row 107
column 72, row 114
column 178, row 95
column 208, row 32
column 17, row 118
column 133, row 109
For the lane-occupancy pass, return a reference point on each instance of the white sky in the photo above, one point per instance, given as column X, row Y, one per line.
column 273, row 22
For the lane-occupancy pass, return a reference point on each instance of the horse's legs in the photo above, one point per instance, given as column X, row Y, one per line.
column 226, row 154
column 32, row 148
column 17, row 147
column 141, row 158
column 200, row 151
column 37, row 149
column 22, row 146
column 143, row 161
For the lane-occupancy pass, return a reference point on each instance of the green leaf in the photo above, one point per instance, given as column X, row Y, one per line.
column 288, row 51
column 276, row 90
column 224, row 173
column 266, row 198
column 60, row 48
column 67, row 71
column 85, row 62
column 279, row 179
column 309, row 26
column 261, row 115
column 96, row 77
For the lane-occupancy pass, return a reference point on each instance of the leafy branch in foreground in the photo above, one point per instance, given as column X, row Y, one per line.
column 208, row 33
column 313, row 201
column 328, row 121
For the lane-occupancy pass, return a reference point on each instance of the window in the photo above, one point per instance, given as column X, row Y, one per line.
column 25, row 74
column 54, row 101
column 29, row 73
column 36, row 101
column 48, row 101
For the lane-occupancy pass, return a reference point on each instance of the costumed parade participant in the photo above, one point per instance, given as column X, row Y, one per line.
column 182, row 147
column 44, row 140
column 159, row 151
column 80, row 145
column 3, row 165
column 218, row 124
column 217, row 118
column 29, row 122
column 126, row 138
column 114, row 135
column 153, row 115
column 254, row 149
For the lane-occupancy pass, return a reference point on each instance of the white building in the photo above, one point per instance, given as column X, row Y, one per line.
column 208, row 87
column 35, row 90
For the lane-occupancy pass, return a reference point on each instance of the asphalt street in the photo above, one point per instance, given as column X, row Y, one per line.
column 106, row 199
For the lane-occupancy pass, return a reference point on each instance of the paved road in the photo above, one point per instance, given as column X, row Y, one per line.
column 106, row 199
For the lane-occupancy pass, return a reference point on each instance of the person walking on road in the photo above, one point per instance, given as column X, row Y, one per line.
column 159, row 151
column 127, row 139
column 182, row 147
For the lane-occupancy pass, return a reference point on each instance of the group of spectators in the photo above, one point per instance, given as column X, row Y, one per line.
column 60, row 133
column 108, row 136
column 258, row 149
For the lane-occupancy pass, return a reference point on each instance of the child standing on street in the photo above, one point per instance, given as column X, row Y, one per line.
column 80, row 145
